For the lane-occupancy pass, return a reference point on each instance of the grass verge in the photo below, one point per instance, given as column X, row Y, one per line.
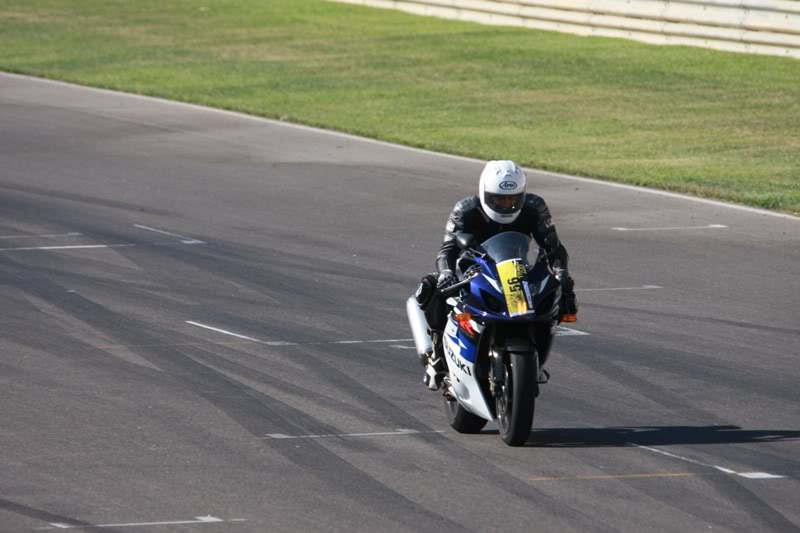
column 709, row 123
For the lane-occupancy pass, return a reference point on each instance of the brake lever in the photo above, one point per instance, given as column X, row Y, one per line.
column 453, row 289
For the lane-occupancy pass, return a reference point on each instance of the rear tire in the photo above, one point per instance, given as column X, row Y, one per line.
column 462, row 420
column 516, row 406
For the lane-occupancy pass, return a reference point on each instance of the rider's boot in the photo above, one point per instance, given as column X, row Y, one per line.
column 435, row 366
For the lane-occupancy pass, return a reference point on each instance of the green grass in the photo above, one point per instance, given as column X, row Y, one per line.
column 709, row 123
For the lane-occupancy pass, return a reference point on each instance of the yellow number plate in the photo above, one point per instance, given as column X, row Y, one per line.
column 512, row 276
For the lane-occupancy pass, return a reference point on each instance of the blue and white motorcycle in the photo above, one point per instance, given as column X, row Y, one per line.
column 502, row 321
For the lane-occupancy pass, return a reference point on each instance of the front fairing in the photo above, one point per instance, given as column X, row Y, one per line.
column 468, row 375
column 511, row 288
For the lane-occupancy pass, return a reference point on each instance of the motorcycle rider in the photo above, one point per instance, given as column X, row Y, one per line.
column 502, row 204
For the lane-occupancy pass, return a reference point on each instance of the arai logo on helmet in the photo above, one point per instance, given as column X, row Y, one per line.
column 508, row 185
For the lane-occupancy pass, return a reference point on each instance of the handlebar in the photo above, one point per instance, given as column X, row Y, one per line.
column 454, row 288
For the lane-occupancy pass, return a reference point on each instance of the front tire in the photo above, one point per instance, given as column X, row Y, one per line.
column 516, row 405
column 462, row 420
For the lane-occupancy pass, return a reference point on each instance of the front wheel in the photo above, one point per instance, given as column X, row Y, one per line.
column 460, row 419
column 515, row 405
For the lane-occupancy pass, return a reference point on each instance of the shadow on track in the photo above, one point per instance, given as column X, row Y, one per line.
column 38, row 514
column 654, row 436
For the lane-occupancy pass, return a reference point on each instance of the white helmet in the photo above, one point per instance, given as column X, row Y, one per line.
column 502, row 191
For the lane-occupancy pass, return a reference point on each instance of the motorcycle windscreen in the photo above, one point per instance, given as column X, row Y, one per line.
column 512, row 276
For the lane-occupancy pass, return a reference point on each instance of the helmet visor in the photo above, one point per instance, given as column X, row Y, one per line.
column 505, row 204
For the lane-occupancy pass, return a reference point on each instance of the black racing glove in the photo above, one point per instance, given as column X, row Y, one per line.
column 569, row 303
column 446, row 279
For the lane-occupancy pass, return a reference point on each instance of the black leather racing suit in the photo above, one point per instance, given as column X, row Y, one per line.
column 468, row 217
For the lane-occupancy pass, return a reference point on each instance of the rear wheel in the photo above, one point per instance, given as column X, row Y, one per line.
column 460, row 419
column 516, row 404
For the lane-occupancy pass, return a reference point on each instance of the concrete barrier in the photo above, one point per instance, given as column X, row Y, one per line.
column 755, row 26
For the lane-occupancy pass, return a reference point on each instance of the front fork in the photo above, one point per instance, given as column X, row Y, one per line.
column 497, row 380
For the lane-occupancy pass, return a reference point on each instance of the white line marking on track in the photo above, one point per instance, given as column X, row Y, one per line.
column 673, row 228
column 88, row 246
column 748, row 475
column 54, row 236
column 401, row 347
column 569, row 332
column 374, row 341
column 341, row 135
column 560, row 332
column 758, row 475
column 608, row 477
column 283, row 343
column 640, row 288
column 223, row 331
column 281, row 436
column 184, row 240
column 197, row 520
column 77, row 247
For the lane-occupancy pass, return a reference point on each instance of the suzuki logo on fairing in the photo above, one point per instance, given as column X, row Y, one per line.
column 508, row 185
column 464, row 368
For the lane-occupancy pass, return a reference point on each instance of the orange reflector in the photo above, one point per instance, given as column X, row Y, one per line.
column 463, row 320
column 569, row 318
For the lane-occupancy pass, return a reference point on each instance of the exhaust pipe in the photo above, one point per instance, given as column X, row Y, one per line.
column 419, row 327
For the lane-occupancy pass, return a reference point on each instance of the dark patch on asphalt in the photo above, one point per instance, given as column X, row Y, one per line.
column 45, row 516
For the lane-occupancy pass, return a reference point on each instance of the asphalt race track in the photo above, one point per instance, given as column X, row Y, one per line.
column 203, row 330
